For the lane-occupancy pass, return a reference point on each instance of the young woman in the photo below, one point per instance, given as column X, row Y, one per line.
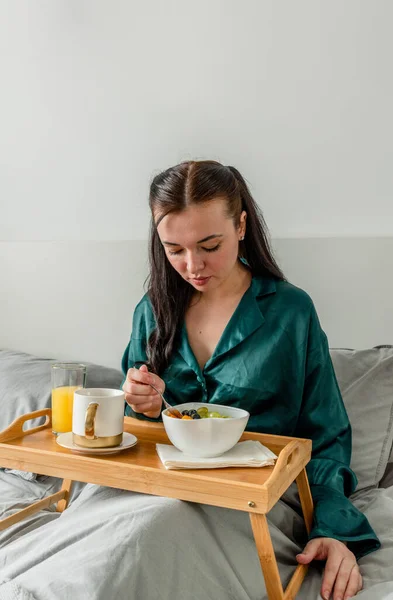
column 220, row 324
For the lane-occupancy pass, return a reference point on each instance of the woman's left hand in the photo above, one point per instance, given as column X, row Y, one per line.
column 342, row 575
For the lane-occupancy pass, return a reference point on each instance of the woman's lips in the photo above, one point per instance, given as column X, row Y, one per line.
column 200, row 280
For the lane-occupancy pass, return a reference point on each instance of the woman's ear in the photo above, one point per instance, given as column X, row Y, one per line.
column 242, row 225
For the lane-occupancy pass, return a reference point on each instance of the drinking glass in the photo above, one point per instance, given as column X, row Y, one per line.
column 66, row 378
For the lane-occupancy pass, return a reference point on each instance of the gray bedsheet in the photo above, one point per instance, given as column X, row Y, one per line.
column 117, row 545
column 17, row 493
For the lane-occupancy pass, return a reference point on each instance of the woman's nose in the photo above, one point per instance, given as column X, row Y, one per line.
column 195, row 264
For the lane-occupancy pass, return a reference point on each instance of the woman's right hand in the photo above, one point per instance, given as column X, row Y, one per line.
column 138, row 393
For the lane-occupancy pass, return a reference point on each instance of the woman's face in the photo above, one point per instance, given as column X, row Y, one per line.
column 202, row 243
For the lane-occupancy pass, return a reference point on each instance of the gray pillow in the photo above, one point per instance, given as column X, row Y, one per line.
column 365, row 378
column 25, row 383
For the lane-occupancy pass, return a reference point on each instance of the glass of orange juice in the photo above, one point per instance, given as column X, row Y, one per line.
column 66, row 378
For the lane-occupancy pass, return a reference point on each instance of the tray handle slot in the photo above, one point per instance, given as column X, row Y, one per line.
column 285, row 470
column 15, row 430
column 287, row 457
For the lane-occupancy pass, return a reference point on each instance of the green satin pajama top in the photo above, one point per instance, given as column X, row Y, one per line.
column 273, row 360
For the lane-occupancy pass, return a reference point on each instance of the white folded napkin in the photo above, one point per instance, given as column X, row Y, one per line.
column 243, row 454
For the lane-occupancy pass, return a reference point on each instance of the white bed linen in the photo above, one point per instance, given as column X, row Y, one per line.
column 118, row 545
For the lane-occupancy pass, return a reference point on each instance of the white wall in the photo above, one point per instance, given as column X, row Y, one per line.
column 98, row 95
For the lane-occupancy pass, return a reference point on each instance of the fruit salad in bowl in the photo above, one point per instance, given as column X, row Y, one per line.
column 205, row 430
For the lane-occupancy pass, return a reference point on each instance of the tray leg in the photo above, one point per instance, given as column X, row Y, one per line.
column 305, row 498
column 308, row 510
column 66, row 488
column 267, row 557
column 265, row 548
column 32, row 509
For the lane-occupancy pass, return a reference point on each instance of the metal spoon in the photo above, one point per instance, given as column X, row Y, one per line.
column 170, row 408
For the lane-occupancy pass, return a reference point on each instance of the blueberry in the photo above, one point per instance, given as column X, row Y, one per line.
column 196, row 416
column 185, row 412
column 192, row 412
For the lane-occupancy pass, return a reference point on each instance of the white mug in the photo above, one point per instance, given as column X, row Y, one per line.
column 98, row 417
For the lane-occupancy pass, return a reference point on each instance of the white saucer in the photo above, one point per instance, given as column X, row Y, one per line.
column 65, row 440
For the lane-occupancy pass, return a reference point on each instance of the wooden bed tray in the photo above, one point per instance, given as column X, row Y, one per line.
column 139, row 469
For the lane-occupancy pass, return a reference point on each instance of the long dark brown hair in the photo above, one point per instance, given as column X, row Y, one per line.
column 195, row 182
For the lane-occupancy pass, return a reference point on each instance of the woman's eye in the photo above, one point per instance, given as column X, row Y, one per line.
column 175, row 252
column 214, row 249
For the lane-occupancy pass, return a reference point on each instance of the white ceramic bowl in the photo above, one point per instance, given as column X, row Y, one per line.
column 206, row 437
